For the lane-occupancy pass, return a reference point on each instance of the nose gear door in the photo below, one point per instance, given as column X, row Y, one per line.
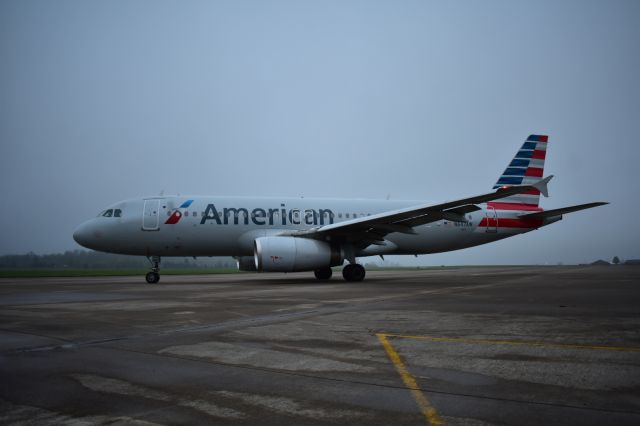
column 151, row 215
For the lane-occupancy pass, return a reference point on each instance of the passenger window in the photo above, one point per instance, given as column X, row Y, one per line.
column 346, row 215
column 108, row 213
column 117, row 213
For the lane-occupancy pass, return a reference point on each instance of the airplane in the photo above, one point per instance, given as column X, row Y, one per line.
column 305, row 234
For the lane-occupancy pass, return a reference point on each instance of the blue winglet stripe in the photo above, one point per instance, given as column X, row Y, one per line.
column 186, row 204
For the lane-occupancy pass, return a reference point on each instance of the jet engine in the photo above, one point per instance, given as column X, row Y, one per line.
column 292, row 254
column 246, row 263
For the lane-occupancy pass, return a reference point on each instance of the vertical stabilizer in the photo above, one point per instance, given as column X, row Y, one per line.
column 526, row 168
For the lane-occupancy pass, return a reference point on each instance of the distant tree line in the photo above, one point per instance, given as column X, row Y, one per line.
column 82, row 259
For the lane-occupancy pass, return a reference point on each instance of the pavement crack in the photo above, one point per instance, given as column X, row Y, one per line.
column 380, row 385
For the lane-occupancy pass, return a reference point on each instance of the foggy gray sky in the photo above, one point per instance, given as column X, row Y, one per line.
column 102, row 101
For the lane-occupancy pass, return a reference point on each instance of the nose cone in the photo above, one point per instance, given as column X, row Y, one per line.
column 84, row 235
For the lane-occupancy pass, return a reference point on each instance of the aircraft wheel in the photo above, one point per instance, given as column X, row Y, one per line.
column 323, row 274
column 152, row 277
column 353, row 272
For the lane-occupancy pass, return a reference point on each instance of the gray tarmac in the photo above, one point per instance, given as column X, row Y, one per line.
column 477, row 346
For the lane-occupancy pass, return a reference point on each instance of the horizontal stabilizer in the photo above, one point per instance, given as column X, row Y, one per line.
column 542, row 185
column 559, row 212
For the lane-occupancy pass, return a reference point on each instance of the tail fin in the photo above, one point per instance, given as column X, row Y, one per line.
column 526, row 168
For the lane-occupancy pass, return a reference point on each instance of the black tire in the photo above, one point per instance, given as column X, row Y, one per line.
column 323, row 274
column 353, row 272
column 152, row 277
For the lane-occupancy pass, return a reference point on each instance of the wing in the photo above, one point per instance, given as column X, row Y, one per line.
column 372, row 229
column 560, row 212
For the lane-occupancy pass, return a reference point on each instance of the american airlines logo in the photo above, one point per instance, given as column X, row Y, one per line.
column 177, row 215
column 271, row 216
column 257, row 216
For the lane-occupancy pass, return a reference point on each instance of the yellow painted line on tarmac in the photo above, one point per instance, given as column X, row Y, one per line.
column 426, row 408
column 515, row 343
column 409, row 381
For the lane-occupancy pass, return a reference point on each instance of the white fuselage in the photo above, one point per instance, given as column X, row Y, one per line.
column 228, row 226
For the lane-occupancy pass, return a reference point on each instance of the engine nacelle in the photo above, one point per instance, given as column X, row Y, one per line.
column 293, row 254
column 246, row 263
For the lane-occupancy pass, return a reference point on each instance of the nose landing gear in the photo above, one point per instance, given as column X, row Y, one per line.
column 153, row 276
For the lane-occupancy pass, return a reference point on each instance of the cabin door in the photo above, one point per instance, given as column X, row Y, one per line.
column 151, row 215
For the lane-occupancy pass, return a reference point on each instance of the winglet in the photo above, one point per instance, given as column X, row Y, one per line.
column 542, row 185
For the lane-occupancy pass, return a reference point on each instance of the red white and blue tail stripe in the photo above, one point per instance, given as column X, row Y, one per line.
column 527, row 167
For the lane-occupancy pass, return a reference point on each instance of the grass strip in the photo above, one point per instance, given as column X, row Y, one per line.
column 39, row 273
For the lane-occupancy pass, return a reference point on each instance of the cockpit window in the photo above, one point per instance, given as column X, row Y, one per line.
column 117, row 213
column 108, row 213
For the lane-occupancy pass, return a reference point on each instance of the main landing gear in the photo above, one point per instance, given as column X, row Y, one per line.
column 352, row 272
column 153, row 276
column 323, row 274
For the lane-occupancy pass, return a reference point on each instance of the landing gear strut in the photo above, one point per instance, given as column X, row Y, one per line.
column 153, row 276
column 323, row 274
column 353, row 272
